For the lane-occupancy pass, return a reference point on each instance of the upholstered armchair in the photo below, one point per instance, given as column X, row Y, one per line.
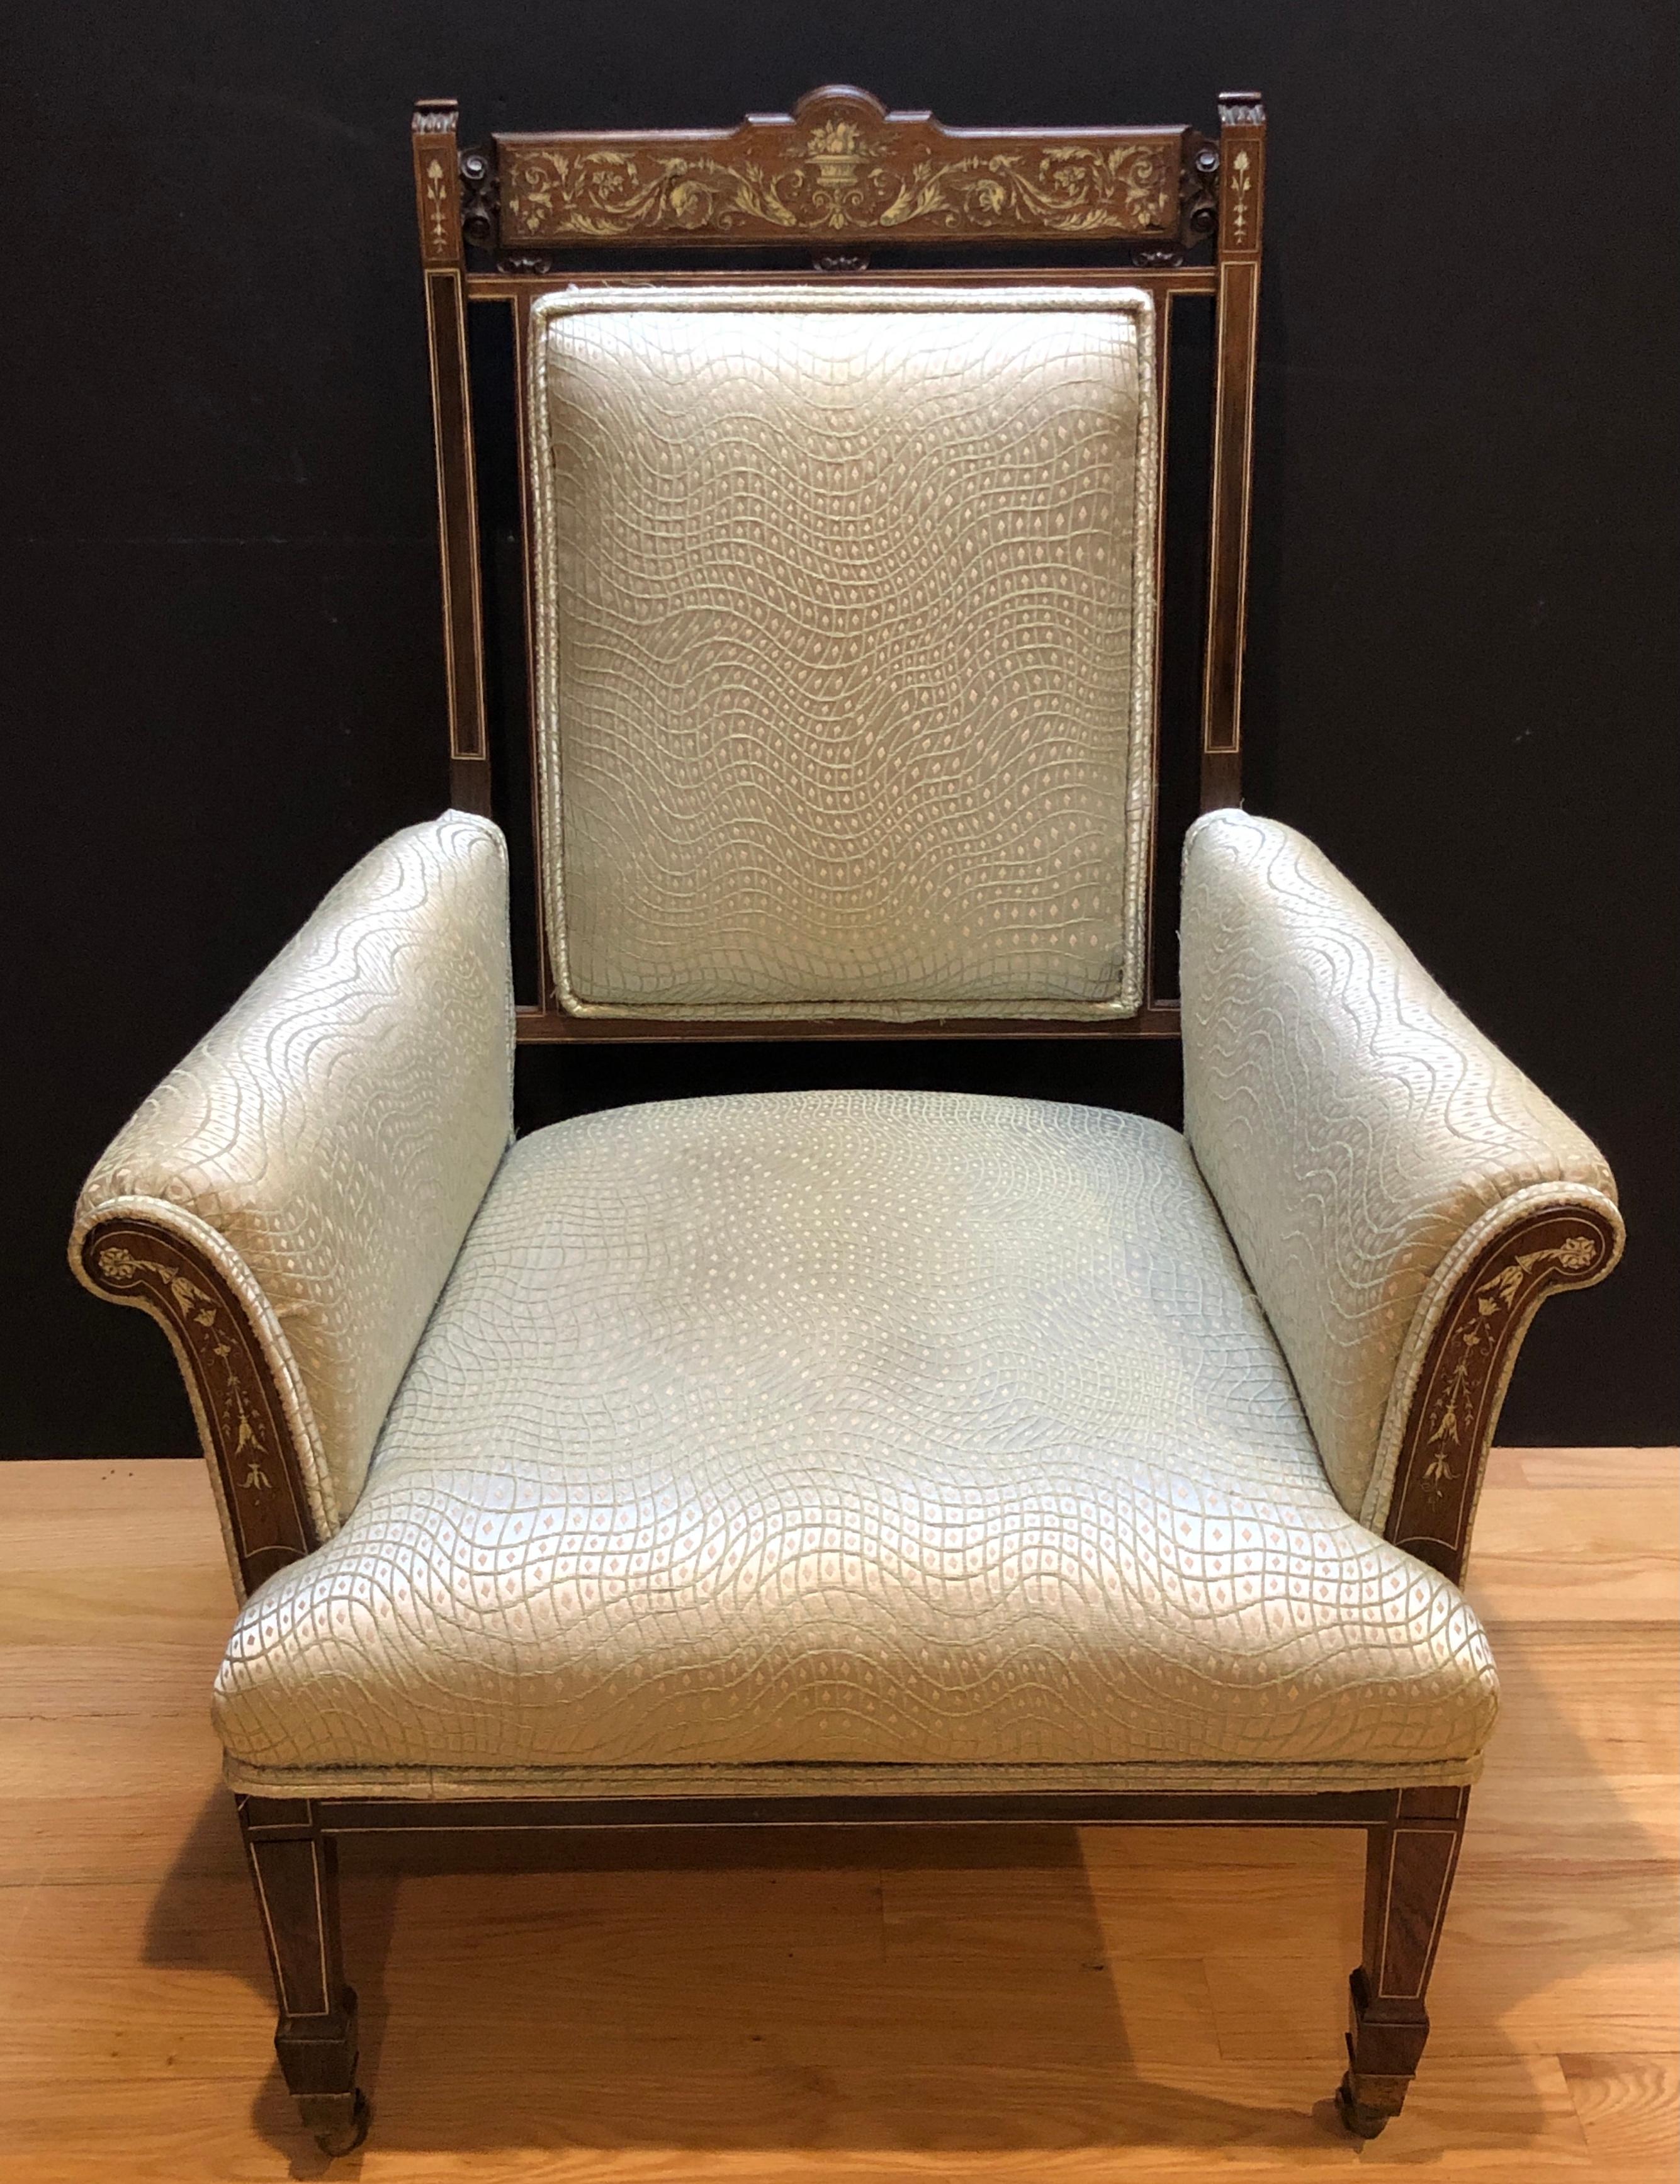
column 874, row 1455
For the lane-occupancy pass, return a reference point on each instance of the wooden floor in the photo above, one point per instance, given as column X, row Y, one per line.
column 1022, row 2005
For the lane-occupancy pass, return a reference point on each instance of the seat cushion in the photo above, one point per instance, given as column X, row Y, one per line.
column 841, row 1429
column 845, row 598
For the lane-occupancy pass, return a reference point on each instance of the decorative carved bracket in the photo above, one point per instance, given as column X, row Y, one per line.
column 241, row 1417
column 1199, row 189
column 841, row 168
column 1455, row 1404
column 480, row 198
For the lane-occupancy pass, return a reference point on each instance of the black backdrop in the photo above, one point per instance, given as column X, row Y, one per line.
column 223, row 661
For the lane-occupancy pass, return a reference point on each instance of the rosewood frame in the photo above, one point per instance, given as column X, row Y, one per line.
column 837, row 180
column 836, row 176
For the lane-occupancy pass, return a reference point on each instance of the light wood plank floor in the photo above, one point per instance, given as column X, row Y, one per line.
column 1017, row 2006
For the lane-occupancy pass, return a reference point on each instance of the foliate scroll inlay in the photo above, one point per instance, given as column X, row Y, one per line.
column 840, row 165
column 439, row 201
column 251, row 1445
column 1473, row 1349
column 1242, row 186
column 1455, row 1406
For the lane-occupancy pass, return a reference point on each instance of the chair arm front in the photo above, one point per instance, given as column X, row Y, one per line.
column 289, row 1202
column 1402, row 1195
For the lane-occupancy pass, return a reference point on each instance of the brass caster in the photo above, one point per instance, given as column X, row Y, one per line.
column 1364, row 2122
column 338, row 2121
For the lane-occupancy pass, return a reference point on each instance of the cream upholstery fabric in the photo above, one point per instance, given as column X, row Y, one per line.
column 848, row 1428
column 1355, row 1128
column 330, row 1140
column 846, row 603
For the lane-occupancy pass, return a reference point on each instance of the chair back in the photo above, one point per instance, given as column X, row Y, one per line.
column 834, row 513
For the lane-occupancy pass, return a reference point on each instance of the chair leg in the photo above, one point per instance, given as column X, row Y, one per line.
column 1408, row 1876
column 295, row 1870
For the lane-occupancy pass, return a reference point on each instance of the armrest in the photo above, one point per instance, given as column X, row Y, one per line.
column 289, row 1202
column 1402, row 1195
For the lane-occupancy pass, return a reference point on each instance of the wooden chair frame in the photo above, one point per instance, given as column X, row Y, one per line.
column 528, row 204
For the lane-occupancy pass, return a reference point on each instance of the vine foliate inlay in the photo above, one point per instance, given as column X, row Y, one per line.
column 839, row 165
column 439, row 202
column 250, row 1443
column 122, row 1270
column 1455, row 1405
column 1242, row 184
column 1474, row 1347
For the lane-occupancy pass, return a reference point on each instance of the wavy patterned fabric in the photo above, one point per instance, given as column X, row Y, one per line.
column 331, row 1139
column 845, row 604
column 848, row 1428
column 1353, row 1125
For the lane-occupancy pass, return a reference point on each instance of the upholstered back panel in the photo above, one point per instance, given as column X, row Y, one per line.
column 844, row 623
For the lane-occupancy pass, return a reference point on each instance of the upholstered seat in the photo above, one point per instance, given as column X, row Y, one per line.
column 851, row 1427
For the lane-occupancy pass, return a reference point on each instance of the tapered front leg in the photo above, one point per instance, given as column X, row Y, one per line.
column 295, row 1870
column 1409, row 1876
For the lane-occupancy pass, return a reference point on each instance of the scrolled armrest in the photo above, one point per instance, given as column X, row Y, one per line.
column 288, row 1203
column 1401, row 1195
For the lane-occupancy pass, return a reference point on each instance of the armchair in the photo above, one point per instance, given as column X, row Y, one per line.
column 846, row 1455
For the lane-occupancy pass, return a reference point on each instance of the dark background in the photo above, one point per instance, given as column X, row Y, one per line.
column 223, row 662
